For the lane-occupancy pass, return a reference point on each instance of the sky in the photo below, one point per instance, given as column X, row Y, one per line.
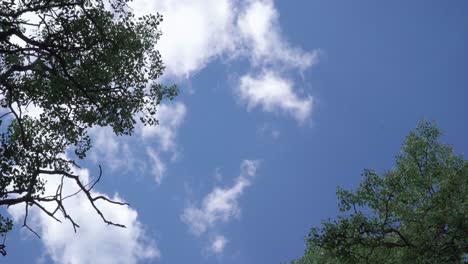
column 281, row 102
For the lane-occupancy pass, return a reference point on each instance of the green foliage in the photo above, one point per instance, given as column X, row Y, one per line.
column 416, row 212
column 83, row 63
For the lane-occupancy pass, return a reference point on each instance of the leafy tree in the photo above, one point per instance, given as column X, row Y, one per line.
column 416, row 212
column 82, row 63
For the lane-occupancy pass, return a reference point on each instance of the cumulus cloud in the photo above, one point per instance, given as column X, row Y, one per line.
column 271, row 92
column 268, row 51
column 260, row 33
column 196, row 32
column 95, row 241
column 221, row 205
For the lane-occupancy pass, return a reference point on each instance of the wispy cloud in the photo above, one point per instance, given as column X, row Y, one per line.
column 124, row 153
column 158, row 167
column 268, row 130
column 170, row 118
column 220, row 205
column 112, row 150
column 273, row 93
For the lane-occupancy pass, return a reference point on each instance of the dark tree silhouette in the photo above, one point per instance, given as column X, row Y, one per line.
column 83, row 63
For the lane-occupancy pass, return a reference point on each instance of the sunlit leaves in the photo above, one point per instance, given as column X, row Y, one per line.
column 67, row 66
column 416, row 212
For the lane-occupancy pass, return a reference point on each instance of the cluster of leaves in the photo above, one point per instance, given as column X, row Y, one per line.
column 79, row 64
column 414, row 213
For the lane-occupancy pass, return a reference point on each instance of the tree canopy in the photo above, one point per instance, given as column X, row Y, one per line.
column 77, row 64
column 416, row 212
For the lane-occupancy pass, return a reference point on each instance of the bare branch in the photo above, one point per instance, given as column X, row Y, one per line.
column 87, row 192
column 25, row 224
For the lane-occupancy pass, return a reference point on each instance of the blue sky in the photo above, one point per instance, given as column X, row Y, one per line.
column 281, row 102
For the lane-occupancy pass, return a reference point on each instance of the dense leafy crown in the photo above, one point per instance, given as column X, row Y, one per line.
column 414, row 213
column 77, row 64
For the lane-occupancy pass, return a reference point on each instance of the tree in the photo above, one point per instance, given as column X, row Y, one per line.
column 416, row 212
column 81, row 63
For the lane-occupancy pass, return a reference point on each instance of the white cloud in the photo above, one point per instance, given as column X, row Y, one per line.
column 95, row 241
column 196, row 32
column 121, row 152
column 272, row 92
column 259, row 27
column 221, row 205
column 170, row 118
column 114, row 150
column 159, row 168
column 218, row 244
column 260, row 31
